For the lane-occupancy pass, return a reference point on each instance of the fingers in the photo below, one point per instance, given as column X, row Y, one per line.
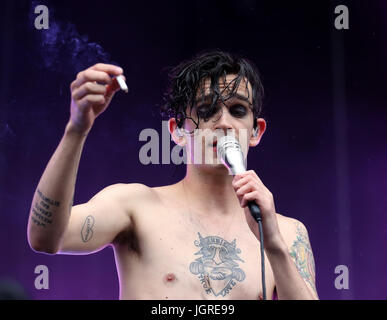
column 248, row 187
column 92, row 99
column 108, row 68
column 100, row 73
column 97, row 82
column 93, row 90
column 251, row 196
column 242, row 178
column 90, row 75
column 247, row 192
column 263, row 199
column 88, row 88
column 112, row 87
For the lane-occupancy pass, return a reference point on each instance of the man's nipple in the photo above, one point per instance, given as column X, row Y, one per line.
column 169, row 278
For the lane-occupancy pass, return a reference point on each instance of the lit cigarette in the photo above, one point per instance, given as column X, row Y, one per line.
column 122, row 83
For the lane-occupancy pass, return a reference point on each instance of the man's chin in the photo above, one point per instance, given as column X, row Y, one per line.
column 213, row 166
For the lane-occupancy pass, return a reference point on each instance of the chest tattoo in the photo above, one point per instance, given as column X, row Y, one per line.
column 217, row 267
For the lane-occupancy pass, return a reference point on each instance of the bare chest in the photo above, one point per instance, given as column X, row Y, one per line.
column 185, row 258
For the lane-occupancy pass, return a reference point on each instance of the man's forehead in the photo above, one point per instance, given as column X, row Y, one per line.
column 227, row 85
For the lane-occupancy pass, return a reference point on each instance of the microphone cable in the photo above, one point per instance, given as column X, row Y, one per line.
column 256, row 213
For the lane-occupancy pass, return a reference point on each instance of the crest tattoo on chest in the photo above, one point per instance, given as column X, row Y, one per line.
column 217, row 268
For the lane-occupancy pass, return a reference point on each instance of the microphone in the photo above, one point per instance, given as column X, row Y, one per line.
column 230, row 153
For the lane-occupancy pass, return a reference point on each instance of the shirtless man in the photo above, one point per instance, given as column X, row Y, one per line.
column 194, row 239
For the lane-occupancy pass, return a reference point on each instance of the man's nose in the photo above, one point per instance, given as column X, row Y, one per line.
column 223, row 120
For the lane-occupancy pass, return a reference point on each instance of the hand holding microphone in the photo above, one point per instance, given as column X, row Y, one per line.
column 229, row 151
column 253, row 196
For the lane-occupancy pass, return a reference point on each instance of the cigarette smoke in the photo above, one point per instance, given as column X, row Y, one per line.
column 63, row 49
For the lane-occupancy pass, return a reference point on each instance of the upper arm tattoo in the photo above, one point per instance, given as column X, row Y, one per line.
column 87, row 229
column 302, row 254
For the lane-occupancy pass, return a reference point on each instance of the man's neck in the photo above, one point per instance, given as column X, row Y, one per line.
column 210, row 189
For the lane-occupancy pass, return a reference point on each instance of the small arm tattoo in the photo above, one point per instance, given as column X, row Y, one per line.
column 48, row 200
column 302, row 254
column 87, row 229
column 41, row 211
column 40, row 215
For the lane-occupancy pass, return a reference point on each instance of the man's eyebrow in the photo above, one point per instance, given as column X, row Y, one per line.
column 203, row 98
column 239, row 97
column 233, row 96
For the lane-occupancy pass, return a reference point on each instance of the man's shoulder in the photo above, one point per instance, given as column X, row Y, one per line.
column 289, row 221
column 291, row 229
column 138, row 191
column 124, row 192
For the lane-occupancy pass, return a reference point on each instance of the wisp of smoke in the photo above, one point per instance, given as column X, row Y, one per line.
column 63, row 49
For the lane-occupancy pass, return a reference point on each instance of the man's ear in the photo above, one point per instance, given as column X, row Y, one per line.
column 257, row 133
column 177, row 134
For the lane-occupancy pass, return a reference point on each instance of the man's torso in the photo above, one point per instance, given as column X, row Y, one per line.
column 172, row 252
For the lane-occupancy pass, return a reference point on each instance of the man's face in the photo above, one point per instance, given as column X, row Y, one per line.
column 232, row 115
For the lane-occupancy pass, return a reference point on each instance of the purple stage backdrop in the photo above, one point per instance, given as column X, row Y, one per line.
column 323, row 156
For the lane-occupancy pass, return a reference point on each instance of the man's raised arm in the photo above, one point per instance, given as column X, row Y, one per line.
column 91, row 93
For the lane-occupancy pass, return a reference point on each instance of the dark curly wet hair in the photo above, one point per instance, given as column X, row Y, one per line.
column 187, row 77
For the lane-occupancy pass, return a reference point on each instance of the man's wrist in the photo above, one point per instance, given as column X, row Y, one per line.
column 72, row 130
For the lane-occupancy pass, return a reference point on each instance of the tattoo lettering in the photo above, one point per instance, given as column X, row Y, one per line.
column 48, row 200
column 87, row 229
column 302, row 254
column 217, row 268
column 42, row 216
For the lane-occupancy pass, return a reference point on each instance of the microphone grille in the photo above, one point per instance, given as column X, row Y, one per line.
column 225, row 143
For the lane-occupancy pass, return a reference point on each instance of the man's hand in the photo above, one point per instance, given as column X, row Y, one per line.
column 91, row 93
column 249, row 187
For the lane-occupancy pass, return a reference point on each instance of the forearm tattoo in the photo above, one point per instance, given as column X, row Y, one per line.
column 87, row 229
column 41, row 211
column 302, row 254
